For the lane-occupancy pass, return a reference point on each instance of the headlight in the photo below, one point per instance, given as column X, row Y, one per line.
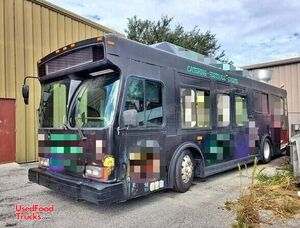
column 93, row 171
column 44, row 162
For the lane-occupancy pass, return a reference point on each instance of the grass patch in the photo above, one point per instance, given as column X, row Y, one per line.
column 276, row 194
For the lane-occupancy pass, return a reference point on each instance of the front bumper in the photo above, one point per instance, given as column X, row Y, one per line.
column 78, row 188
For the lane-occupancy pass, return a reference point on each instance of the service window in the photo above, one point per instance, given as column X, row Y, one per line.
column 223, row 112
column 241, row 113
column 195, row 108
column 146, row 98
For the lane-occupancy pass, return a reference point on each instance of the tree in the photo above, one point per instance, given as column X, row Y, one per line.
column 151, row 32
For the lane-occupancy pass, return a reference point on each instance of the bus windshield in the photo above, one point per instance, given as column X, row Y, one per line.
column 54, row 100
column 95, row 103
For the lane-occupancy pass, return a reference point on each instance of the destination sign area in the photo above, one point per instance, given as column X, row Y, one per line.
column 211, row 75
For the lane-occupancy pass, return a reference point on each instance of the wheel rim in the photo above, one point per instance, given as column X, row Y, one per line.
column 187, row 169
column 267, row 150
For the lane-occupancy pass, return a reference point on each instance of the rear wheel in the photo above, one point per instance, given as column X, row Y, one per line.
column 266, row 150
column 184, row 171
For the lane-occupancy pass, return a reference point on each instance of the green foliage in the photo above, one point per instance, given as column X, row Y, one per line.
column 151, row 32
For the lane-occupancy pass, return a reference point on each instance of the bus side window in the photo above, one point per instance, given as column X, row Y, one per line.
column 223, row 104
column 188, row 108
column 203, row 108
column 135, row 98
column 241, row 114
column 153, row 97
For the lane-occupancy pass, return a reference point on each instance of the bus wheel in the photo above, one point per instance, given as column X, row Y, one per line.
column 184, row 171
column 266, row 150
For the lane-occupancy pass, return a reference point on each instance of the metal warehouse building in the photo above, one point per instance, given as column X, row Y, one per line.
column 285, row 73
column 30, row 29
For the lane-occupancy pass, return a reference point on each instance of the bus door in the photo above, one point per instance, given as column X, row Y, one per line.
column 221, row 146
column 242, row 131
column 143, row 139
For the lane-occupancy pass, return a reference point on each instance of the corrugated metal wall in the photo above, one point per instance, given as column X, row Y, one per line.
column 30, row 29
column 289, row 76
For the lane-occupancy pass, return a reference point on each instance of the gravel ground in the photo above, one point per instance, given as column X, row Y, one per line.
column 201, row 206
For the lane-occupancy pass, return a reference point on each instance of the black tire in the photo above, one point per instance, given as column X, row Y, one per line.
column 184, row 181
column 266, row 150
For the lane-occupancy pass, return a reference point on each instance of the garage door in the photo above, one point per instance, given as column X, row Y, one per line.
column 7, row 131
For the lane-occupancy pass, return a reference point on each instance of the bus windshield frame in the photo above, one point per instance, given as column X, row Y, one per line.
column 95, row 111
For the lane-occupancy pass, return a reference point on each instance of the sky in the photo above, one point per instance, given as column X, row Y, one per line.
column 249, row 31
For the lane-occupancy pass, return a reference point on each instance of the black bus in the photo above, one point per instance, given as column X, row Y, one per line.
column 119, row 119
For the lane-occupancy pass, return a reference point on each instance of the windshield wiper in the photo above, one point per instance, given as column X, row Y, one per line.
column 80, row 133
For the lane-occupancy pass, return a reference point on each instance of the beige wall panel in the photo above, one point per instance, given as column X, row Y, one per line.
column 94, row 32
column 29, row 66
column 298, row 85
column 88, row 31
column 61, row 31
column 68, row 30
column 75, row 31
column 45, row 31
column 81, row 35
column 295, row 92
column 9, row 36
column 2, row 55
column 53, row 31
column 275, row 77
column 37, row 54
column 20, row 73
column 100, row 33
column 291, row 90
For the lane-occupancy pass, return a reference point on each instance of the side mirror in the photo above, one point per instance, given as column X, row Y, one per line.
column 25, row 93
column 130, row 118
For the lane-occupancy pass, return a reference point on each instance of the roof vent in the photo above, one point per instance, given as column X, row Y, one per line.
column 263, row 75
column 189, row 54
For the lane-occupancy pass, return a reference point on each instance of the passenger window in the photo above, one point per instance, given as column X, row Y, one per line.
column 241, row 113
column 195, row 108
column 146, row 98
column 203, row 108
column 223, row 113
column 188, row 108
column 154, row 115
column 135, row 99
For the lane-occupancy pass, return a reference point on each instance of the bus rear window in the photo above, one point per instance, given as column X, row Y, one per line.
column 261, row 103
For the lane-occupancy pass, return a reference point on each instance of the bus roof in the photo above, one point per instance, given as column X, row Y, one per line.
column 155, row 55
column 149, row 54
